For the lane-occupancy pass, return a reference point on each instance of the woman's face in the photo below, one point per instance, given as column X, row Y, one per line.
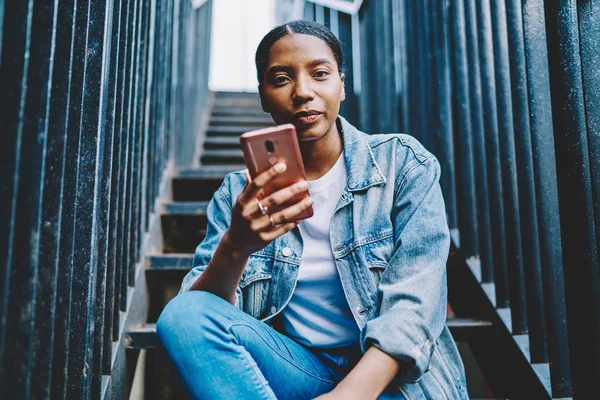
column 302, row 86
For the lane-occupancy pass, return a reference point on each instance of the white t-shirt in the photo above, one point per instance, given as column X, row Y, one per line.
column 318, row 314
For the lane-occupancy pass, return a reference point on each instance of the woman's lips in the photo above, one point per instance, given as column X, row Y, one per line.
column 308, row 119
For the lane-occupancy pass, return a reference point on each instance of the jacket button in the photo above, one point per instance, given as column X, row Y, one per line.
column 273, row 310
column 286, row 252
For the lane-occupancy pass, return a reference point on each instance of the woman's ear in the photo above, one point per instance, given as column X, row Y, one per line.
column 343, row 94
column 262, row 102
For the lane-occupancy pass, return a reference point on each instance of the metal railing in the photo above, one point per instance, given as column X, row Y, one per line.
column 506, row 93
column 99, row 100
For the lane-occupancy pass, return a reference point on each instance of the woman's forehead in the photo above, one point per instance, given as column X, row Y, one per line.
column 300, row 49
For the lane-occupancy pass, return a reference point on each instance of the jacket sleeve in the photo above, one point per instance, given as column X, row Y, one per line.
column 218, row 214
column 413, row 286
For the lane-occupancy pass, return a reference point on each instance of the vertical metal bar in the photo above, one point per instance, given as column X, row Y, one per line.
column 149, row 127
column 61, row 377
column 137, row 149
column 13, row 83
column 422, row 126
column 589, row 39
column 112, row 274
column 102, row 198
column 575, row 193
column 365, row 28
column 1, row 24
column 492, row 153
column 37, row 122
column 480, row 156
column 349, row 107
column 508, row 167
column 319, row 14
column 128, row 134
column 519, row 149
column 31, row 131
column 466, row 196
column 124, row 78
column 542, row 139
column 53, row 208
column 309, row 11
column 89, row 176
column 411, row 58
column 400, row 61
column 443, row 118
column 390, row 101
column 334, row 24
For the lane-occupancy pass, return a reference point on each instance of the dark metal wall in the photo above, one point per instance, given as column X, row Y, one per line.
column 506, row 93
column 98, row 99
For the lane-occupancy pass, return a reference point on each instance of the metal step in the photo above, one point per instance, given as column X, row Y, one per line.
column 242, row 102
column 224, row 94
column 145, row 337
column 183, row 226
column 222, row 156
column 234, row 120
column 199, row 184
column 169, row 262
column 229, row 130
column 238, row 111
column 221, row 142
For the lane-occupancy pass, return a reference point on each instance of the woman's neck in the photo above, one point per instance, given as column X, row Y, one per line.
column 320, row 155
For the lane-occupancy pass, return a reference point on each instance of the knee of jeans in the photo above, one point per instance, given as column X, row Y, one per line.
column 188, row 313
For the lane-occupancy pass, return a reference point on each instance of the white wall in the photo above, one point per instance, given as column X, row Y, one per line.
column 238, row 26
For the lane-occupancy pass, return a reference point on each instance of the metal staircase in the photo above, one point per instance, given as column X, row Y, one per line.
column 183, row 226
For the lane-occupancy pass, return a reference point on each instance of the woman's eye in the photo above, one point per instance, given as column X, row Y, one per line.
column 279, row 80
column 321, row 74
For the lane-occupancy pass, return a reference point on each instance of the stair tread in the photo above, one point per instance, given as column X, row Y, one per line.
column 207, row 172
column 231, row 128
column 184, row 208
column 222, row 141
column 144, row 337
column 236, row 119
column 170, row 261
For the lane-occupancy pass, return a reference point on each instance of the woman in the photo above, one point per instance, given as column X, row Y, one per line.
column 341, row 295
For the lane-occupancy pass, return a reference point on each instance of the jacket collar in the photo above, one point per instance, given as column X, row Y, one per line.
column 363, row 171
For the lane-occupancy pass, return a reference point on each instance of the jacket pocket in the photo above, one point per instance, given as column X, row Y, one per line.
column 255, row 285
column 255, row 292
column 378, row 254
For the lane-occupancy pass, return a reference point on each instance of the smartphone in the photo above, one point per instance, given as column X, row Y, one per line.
column 263, row 148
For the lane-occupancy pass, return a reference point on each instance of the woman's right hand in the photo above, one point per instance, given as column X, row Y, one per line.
column 251, row 230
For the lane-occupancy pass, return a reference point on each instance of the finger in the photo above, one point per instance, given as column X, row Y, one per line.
column 261, row 180
column 282, row 196
column 278, row 231
column 248, row 177
column 293, row 213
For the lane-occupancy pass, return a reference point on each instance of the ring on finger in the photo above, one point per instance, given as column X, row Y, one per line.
column 272, row 223
column 263, row 209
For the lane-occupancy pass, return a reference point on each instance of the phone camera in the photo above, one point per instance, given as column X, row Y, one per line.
column 270, row 146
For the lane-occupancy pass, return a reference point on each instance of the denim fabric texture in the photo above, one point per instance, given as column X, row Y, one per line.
column 390, row 241
column 223, row 353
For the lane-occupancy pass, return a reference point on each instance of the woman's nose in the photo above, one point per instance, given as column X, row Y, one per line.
column 302, row 90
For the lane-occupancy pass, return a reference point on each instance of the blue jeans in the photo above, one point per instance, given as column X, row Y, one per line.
column 221, row 352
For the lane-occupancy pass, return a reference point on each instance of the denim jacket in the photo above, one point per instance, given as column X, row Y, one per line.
column 390, row 241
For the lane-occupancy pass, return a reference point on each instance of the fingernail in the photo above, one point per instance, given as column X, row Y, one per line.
column 280, row 167
column 309, row 201
column 302, row 185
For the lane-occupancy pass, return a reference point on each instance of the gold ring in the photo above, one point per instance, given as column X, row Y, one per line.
column 272, row 223
column 263, row 210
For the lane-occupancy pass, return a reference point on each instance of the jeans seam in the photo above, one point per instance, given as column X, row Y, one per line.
column 281, row 355
column 248, row 358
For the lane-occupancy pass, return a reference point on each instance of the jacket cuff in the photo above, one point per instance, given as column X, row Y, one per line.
column 395, row 334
